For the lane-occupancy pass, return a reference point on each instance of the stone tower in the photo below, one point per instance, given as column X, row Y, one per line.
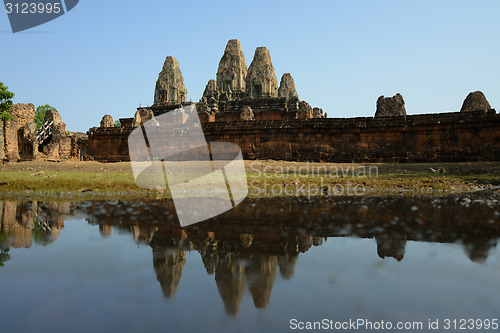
column 261, row 78
column 390, row 106
column 232, row 70
column 287, row 87
column 475, row 101
column 170, row 88
column 210, row 90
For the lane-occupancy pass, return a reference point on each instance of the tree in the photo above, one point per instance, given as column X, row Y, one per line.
column 117, row 123
column 40, row 114
column 5, row 103
column 4, row 256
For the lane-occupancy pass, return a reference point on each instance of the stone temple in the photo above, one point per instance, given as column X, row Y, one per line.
column 237, row 94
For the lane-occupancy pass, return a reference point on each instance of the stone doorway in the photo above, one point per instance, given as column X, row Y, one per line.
column 227, row 85
column 25, row 143
column 256, row 91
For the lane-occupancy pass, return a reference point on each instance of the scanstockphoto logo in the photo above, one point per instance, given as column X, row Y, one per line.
column 26, row 14
column 204, row 180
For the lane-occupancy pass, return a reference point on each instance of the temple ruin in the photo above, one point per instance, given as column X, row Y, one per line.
column 261, row 78
column 246, row 106
column 232, row 72
column 475, row 101
column 19, row 141
column 390, row 106
column 170, row 88
column 287, row 87
column 107, row 121
column 234, row 90
column 18, row 134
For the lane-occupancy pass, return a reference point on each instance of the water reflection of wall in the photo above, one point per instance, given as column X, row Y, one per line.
column 245, row 248
column 23, row 223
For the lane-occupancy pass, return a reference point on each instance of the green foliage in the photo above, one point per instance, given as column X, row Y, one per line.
column 4, row 256
column 117, row 123
column 5, row 103
column 40, row 114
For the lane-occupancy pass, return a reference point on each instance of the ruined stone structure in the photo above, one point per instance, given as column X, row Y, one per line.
column 141, row 116
column 318, row 113
column 390, row 106
column 443, row 137
column 287, row 87
column 235, row 87
column 107, row 121
column 247, row 113
column 246, row 107
column 170, row 88
column 19, row 141
column 232, row 72
column 305, row 111
column 261, row 79
column 475, row 101
column 62, row 144
column 211, row 90
column 2, row 140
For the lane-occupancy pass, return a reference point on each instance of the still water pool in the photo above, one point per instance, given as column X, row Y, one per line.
column 269, row 265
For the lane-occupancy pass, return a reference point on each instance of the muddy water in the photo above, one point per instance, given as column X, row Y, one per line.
column 268, row 265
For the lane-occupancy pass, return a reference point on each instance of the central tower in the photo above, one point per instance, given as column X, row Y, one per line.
column 232, row 72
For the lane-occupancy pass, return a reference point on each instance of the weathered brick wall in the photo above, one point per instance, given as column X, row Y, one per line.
column 23, row 114
column 445, row 137
column 108, row 144
column 259, row 115
column 2, row 140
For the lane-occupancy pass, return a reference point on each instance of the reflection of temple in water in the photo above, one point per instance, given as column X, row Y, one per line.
column 236, row 263
column 245, row 248
column 391, row 243
column 168, row 264
column 23, row 223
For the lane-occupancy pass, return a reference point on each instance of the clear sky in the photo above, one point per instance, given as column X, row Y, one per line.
column 103, row 57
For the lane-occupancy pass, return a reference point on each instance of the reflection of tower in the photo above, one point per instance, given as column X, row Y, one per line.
column 209, row 255
column 478, row 248
column 168, row 263
column 261, row 275
column 392, row 243
column 287, row 265
column 105, row 230
column 143, row 234
column 230, row 279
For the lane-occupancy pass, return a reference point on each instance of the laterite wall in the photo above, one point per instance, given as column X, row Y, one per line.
column 443, row 137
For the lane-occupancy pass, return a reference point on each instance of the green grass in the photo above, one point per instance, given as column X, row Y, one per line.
column 121, row 185
column 66, row 181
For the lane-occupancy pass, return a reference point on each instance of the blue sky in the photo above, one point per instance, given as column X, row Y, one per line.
column 103, row 57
